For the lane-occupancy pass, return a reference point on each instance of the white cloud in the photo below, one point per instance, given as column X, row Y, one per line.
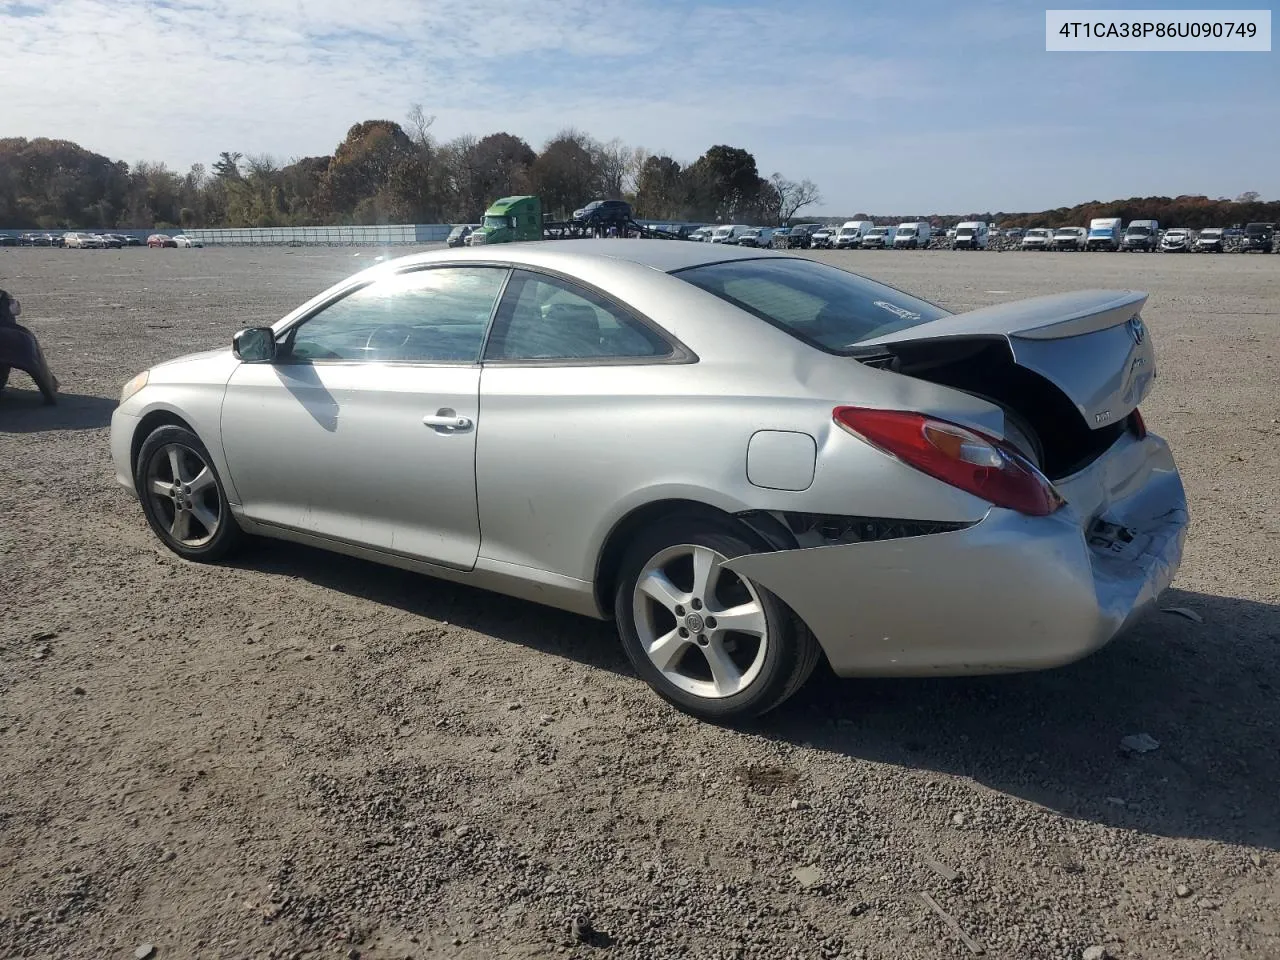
column 886, row 106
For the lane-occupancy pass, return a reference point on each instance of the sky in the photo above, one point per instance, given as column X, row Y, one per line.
column 918, row 107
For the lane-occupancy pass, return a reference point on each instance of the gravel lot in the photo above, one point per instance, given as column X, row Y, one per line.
column 305, row 755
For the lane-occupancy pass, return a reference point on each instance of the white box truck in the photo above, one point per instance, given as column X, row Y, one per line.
column 912, row 236
column 1105, row 233
column 971, row 235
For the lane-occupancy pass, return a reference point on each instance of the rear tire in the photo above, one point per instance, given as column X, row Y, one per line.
column 671, row 589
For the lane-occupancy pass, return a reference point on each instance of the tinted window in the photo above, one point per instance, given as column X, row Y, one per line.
column 544, row 318
column 423, row 316
column 829, row 308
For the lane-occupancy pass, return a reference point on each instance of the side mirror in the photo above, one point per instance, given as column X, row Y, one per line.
column 255, row 345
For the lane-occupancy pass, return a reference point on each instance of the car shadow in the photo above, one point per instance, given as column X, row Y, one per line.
column 24, row 411
column 591, row 642
column 1206, row 691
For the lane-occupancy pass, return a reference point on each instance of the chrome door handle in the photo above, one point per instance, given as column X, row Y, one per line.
column 449, row 422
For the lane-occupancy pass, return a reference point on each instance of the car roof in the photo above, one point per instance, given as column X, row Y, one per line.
column 664, row 255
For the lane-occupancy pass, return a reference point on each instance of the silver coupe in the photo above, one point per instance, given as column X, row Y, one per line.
column 748, row 460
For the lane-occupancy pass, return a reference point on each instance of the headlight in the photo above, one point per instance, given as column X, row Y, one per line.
column 134, row 385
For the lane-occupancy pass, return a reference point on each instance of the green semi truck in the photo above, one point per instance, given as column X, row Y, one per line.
column 512, row 219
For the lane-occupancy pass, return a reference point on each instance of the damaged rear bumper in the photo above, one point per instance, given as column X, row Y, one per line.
column 1007, row 594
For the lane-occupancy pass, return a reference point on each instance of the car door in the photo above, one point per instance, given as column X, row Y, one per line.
column 363, row 429
column 567, row 396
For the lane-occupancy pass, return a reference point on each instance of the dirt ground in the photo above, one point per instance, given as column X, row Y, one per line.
column 300, row 755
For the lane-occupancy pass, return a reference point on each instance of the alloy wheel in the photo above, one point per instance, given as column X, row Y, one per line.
column 703, row 627
column 184, row 494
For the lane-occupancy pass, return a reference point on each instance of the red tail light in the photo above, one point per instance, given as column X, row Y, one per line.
column 1138, row 425
column 973, row 462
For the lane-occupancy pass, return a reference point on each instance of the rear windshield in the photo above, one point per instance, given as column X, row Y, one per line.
column 826, row 307
column 1254, row 229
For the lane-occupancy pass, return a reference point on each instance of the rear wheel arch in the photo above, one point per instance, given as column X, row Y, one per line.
column 760, row 528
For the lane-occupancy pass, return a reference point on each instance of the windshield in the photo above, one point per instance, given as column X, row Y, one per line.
column 877, row 232
column 1212, row 233
column 1139, row 231
column 824, row 306
column 964, row 231
column 497, row 223
column 1037, row 233
column 906, row 231
column 723, row 231
column 1256, row 229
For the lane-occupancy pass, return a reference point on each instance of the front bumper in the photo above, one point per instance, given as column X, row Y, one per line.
column 123, row 427
column 1010, row 593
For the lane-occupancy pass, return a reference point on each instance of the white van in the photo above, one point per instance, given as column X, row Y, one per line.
column 851, row 233
column 1141, row 235
column 971, row 235
column 879, row 238
column 1105, row 233
column 757, row 237
column 912, row 236
column 729, row 233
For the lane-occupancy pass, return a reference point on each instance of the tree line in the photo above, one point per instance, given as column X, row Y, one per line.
column 385, row 172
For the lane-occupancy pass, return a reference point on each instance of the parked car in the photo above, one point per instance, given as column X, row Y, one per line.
column 1210, row 240
column 604, row 212
column 912, row 236
column 458, row 235
column 182, row 240
column 851, row 233
column 1141, row 235
column 1258, row 237
column 756, row 237
column 1070, row 238
column 110, row 240
column 83, row 241
column 1037, row 238
column 1104, row 233
column 1011, row 233
column 9, row 240
column 800, row 236
column 956, row 532
column 971, row 235
column 781, row 238
column 1177, row 240
column 161, row 240
column 729, row 233
column 879, row 238
column 824, row 237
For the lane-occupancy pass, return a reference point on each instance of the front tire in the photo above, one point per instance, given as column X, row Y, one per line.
column 183, row 497
column 710, row 642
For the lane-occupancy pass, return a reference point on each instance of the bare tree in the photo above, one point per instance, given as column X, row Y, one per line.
column 419, row 124
column 613, row 160
column 793, row 196
column 1249, row 196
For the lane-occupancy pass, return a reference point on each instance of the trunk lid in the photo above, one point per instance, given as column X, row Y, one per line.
column 1091, row 344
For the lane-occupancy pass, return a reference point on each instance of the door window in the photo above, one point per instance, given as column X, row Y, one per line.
column 436, row 315
column 545, row 318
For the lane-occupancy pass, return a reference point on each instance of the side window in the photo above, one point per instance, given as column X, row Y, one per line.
column 436, row 315
column 544, row 318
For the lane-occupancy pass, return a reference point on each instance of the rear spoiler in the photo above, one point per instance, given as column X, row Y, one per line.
column 1091, row 344
column 1037, row 318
